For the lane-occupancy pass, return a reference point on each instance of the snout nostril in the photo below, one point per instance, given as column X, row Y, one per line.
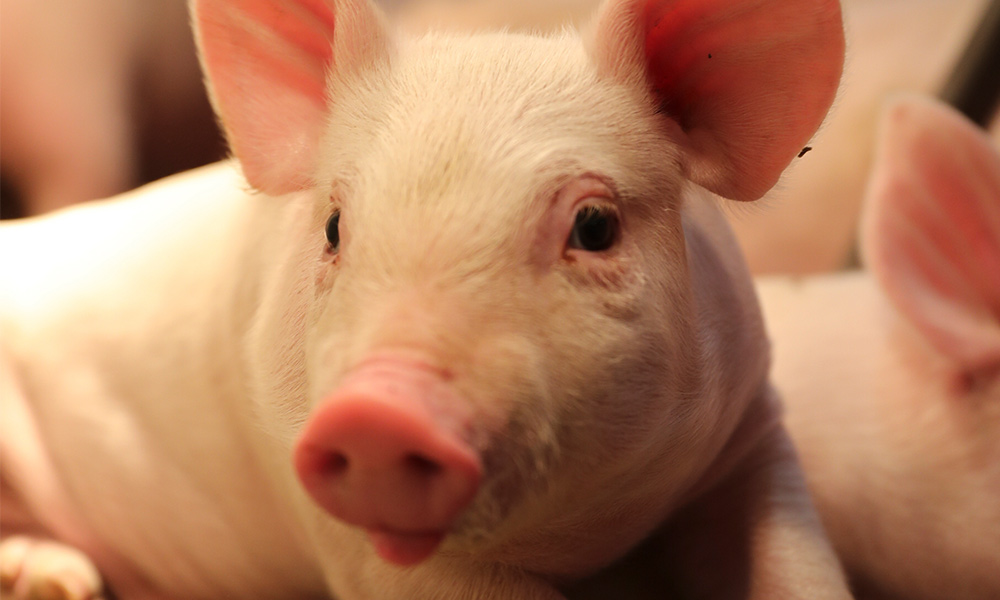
column 422, row 466
column 335, row 463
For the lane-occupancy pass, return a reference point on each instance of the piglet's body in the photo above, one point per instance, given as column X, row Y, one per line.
column 477, row 333
column 890, row 377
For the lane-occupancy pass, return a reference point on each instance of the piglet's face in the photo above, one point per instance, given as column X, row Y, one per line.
column 482, row 331
column 519, row 248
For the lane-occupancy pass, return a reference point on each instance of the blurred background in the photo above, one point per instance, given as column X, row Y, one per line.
column 99, row 96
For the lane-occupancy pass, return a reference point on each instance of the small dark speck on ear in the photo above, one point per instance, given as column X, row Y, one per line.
column 663, row 108
column 710, row 56
column 804, row 150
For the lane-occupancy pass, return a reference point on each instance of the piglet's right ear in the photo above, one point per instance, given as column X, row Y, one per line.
column 267, row 65
column 931, row 233
column 743, row 84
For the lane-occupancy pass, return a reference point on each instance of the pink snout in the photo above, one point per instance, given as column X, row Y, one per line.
column 382, row 453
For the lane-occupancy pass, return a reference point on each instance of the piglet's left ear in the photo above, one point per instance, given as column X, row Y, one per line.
column 744, row 83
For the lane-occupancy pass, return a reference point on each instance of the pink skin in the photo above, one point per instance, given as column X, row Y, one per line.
column 382, row 453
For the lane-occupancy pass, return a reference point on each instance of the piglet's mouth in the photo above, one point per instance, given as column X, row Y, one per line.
column 404, row 548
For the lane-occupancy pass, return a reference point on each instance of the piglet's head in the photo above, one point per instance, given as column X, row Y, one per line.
column 478, row 333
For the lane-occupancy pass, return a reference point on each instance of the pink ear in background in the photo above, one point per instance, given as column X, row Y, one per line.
column 747, row 82
column 932, row 231
column 267, row 64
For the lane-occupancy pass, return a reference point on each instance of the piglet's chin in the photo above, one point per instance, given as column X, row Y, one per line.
column 405, row 549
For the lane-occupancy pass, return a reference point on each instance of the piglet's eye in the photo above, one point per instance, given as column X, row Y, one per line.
column 595, row 229
column 333, row 231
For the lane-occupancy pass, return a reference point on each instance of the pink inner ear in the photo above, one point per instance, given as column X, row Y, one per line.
column 748, row 81
column 932, row 233
column 267, row 63
column 308, row 33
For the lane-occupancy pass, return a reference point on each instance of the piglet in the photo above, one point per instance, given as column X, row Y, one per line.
column 892, row 376
column 476, row 330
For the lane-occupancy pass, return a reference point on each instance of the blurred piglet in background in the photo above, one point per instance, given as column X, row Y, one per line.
column 891, row 378
column 97, row 96
column 478, row 332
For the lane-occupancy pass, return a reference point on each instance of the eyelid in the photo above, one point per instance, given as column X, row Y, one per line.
column 609, row 221
column 559, row 219
column 602, row 206
column 332, row 247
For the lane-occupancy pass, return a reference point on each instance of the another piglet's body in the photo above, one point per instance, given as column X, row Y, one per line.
column 901, row 457
column 891, row 377
column 480, row 334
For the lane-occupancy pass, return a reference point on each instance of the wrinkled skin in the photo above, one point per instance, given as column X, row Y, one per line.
column 476, row 275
